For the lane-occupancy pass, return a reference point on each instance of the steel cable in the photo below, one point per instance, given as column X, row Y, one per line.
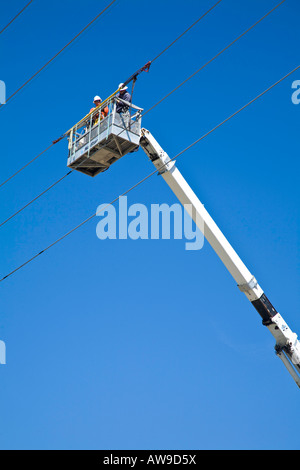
column 173, row 42
column 151, row 174
column 150, row 109
column 11, row 21
column 59, row 52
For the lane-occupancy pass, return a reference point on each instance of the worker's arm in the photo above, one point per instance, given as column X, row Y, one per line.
column 105, row 111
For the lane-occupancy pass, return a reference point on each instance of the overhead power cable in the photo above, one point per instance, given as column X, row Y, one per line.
column 150, row 109
column 11, row 21
column 188, row 29
column 181, row 84
column 27, row 164
column 59, row 52
column 217, row 55
column 36, row 198
column 151, row 174
column 57, row 140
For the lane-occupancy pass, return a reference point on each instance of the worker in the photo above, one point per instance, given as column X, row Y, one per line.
column 104, row 111
column 124, row 95
column 122, row 108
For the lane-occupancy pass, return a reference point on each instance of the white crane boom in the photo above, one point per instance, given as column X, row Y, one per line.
column 287, row 345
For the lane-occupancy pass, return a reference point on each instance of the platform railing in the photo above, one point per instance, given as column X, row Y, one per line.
column 94, row 124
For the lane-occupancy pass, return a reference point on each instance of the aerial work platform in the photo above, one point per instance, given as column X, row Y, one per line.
column 96, row 143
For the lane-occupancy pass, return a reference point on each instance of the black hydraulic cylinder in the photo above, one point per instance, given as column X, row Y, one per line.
column 265, row 309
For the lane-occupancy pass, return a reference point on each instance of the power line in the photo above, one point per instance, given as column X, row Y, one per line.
column 217, row 55
column 150, row 109
column 35, row 199
column 27, row 164
column 58, row 53
column 11, row 21
column 188, row 29
column 151, row 174
column 238, row 111
column 155, row 58
column 180, row 85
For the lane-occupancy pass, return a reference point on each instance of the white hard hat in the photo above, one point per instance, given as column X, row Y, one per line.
column 122, row 87
column 97, row 98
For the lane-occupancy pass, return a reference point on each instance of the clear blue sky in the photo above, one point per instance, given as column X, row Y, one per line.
column 124, row 344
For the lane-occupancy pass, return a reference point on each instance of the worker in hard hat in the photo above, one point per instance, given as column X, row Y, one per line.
column 104, row 111
column 124, row 95
column 122, row 108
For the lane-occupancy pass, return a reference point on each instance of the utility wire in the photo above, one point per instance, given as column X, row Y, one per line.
column 151, row 174
column 35, row 158
column 217, row 55
column 37, row 197
column 58, row 53
column 27, row 164
column 11, row 21
column 150, row 109
column 179, row 37
column 237, row 112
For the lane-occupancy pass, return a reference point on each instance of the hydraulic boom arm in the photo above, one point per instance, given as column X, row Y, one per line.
column 287, row 345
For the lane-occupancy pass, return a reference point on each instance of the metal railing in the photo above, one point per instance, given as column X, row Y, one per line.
column 97, row 123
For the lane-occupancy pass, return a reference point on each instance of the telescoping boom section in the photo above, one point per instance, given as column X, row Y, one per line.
column 99, row 140
column 287, row 344
column 104, row 136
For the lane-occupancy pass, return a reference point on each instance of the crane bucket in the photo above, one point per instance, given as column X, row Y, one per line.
column 98, row 141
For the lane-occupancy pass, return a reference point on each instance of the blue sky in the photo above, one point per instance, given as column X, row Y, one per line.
column 124, row 344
